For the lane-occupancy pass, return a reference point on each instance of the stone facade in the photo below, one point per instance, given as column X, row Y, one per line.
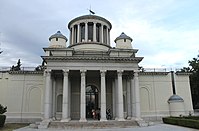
column 90, row 75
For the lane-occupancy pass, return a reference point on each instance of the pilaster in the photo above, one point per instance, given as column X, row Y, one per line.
column 48, row 93
column 137, row 96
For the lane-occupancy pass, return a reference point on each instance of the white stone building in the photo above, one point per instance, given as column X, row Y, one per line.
column 88, row 75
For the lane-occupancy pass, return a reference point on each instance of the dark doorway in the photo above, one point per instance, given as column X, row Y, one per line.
column 91, row 100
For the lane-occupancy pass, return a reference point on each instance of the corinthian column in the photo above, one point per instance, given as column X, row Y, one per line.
column 103, row 96
column 120, row 97
column 65, row 104
column 83, row 97
column 48, row 95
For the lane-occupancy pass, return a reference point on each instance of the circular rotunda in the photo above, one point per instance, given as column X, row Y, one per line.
column 90, row 29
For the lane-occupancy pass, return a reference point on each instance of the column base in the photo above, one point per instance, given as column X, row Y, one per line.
column 82, row 120
column 65, row 120
column 47, row 120
column 128, row 118
column 138, row 119
column 133, row 118
column 120, row 119
column 103, row 119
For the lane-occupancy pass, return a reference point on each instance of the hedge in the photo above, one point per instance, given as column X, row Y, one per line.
column 192, row 122
column 2, row 120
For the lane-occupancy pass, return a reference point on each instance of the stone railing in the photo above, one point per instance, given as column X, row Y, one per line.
column 22, row 68
column 159, row 69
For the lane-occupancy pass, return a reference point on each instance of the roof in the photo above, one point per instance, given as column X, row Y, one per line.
column 58, row 35
column 123, row 36
column 175, row 98
column 89, row 17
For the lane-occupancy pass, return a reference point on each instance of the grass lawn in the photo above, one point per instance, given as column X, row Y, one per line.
column 12, row 126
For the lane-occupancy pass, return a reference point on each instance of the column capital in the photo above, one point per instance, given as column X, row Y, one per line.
column 136, row 73
column 48, row 72
column 83, row 72
column 119, row 72
column 65, row 72
column 102, row 73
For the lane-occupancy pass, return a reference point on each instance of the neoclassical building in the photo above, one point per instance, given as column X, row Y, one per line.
column 88, row 75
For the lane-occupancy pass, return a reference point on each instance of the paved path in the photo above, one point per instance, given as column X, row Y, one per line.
column 157, row 127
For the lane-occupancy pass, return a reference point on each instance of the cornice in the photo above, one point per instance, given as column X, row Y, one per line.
column 183, row 73
column 153, row 73
column 25, row 72
column 102, row 59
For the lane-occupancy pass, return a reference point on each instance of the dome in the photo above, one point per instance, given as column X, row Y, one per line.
column 123, row 36
column 175, row 98
column 58, row 35
column 89, row 17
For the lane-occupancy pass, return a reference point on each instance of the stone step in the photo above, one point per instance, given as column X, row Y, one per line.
column 92, row 124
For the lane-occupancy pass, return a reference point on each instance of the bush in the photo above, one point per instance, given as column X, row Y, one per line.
column 2, row 117
column 192, row 122
column 2, row 120
column 2, row 109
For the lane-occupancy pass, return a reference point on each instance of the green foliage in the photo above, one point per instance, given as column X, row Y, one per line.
column 40, row 67
column 192, row 122
column 2, row 117
column 2, row 109
column 2, row 120
column 194, row 80
column 17, row 67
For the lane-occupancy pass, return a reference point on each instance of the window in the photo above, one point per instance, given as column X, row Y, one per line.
column 124, row 40
column 56, row 39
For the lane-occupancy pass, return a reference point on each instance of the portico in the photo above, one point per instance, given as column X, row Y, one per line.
column 107, row 90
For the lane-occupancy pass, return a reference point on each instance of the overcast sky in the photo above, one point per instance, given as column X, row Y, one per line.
column 166, row 32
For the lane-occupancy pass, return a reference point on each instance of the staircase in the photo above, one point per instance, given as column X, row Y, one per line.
column 92, row 124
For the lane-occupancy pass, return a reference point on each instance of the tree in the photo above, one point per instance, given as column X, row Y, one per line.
column 40, row 67
column 17, row 67
column 194, row 80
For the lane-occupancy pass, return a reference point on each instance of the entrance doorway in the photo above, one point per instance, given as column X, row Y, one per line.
column 91, row 100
